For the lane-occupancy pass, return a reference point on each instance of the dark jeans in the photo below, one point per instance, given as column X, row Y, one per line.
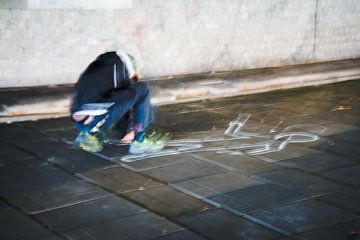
column 135, row 99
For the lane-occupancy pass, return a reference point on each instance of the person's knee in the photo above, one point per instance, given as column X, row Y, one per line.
column 144, row 87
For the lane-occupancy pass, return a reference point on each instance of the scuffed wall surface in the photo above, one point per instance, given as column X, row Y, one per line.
column 45, row 45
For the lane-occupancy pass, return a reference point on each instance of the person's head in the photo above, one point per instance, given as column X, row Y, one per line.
column 130, row 64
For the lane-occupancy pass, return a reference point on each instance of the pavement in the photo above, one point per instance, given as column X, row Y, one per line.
column 22, row 104
column 279, row 165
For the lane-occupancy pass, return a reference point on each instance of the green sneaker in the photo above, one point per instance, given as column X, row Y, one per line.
column 152, row 143
column 103, row 137
column 88, row 142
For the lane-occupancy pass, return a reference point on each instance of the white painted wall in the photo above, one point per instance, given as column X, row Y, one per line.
column 45, row 42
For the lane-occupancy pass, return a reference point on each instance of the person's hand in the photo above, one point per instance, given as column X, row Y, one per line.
column 99, row 124
column 88, row 120
column 135, row 77
column 78, row 118
column 129, row 137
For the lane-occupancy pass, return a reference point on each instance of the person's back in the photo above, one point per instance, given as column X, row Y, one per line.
column 106, row 95
column 105, row 74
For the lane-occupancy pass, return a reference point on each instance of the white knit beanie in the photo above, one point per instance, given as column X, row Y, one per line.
column 129, row 62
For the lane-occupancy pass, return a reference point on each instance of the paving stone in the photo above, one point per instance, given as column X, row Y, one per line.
column 345, row 149
column 15, row 225
column 347, row 175
column 217, row 224
column 120, row 180
column 291, row 151
column 139, row 226
column 10, row 155
column 256, row 198
column 344, row 231
column 25, row 167
column 167, row 201
column 11, row 134
column 304, row 108
column 191, row 121
column 231, row 145
column 50, row 236
column 351, row 137
column 49, row 124
column 216, row 184
column 88, row 213
column 183, row 171
column 113, row 152
column 63, row 155
column 13, row 185
column 304, row 216
column 3, row 205
column 180, row 235
column 48, row 190
column 290, row 238
column 316, row 163
column 348, row 199
column 156, row 162
column 299, row 182
column 77, row 161
column 68, row 135
column 231, row 204
column 243, row 164
column 335, row 128
column 286, row 119
column 341, row 117
column 44, row 148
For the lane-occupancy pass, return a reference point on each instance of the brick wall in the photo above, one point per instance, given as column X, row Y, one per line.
column 47, row 42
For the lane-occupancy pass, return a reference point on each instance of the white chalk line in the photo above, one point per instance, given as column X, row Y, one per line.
column 268, row 143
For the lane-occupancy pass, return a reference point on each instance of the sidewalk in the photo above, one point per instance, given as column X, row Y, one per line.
column 282, row 165
column 46, row 102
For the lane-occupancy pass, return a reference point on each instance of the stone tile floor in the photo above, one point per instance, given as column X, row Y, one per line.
column 288, row 168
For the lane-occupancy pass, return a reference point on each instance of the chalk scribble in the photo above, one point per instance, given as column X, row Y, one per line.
column 236, row 141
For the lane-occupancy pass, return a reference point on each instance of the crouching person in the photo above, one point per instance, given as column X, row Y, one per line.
column 109, row 97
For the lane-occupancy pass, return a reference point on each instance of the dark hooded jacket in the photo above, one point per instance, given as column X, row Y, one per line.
column 105, row 74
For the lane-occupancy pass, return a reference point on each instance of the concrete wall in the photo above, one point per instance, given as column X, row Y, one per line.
column 45, row 42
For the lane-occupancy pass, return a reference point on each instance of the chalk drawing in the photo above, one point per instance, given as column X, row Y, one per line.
column 236, row 141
